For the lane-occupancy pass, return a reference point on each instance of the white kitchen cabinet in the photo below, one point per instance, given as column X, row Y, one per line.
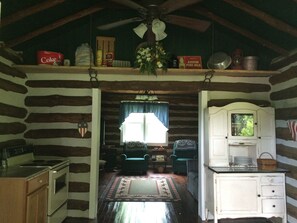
column 230, row 194
column 245, row 131
column 266, row 132
column 218, row 142
column 228, row 138
column 243, row 195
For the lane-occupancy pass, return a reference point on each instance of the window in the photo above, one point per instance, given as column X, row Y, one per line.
column 144, row 121
column 144, row 127
column 242, row 124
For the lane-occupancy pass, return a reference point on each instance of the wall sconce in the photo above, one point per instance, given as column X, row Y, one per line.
column 293, row 129
column 146, row 96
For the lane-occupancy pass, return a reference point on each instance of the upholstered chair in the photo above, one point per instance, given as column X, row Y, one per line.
column 135, row 157
column 183, row 150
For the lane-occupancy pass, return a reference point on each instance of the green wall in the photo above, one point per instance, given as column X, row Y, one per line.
column 180, row 41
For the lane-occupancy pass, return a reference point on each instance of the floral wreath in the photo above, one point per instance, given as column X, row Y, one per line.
column 151, row 57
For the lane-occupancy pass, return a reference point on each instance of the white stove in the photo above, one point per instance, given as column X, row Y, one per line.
column 23, row 156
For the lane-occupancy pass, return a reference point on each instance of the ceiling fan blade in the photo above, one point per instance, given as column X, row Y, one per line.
column 119, row 23
column 172, row 5
column 131, row 4
column 190, row 23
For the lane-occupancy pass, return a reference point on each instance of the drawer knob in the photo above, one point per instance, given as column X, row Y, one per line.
column 40, row 181
column 259, row 195
column 273, row 191
column 273, row 206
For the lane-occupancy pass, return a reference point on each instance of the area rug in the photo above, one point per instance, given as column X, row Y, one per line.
column 143, row 189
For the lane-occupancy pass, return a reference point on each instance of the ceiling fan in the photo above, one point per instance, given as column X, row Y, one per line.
column 153, row 14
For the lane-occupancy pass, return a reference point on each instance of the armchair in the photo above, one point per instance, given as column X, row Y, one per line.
column 135, row 157
column 183, row 150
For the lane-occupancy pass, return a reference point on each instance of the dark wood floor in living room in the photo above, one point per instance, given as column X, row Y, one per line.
column 183, row 211
column 163, row 212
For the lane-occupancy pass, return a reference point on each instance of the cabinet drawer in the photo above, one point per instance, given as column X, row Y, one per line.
column 37, row 182
column 272, row 180
column 273, row 205
column 272, row 191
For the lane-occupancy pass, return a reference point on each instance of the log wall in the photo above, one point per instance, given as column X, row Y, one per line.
column 284, row 99
column 183, row 116
column 56, row 102
column 56, row 105
column 12, row 108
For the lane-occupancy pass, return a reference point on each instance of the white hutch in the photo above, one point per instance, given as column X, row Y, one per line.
column 237, row 134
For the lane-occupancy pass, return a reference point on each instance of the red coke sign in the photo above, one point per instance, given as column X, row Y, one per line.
column 50, row 58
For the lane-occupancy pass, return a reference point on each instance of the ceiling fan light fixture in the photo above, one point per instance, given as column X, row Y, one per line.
column 140, row 30
column 160, row 36
column 158, row 28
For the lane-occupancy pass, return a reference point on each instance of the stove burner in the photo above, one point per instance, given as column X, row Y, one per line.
column 37, row 161
column 35, row 164
column 49, row 163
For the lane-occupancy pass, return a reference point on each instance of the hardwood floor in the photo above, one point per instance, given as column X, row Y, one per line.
column 158, row 212
column 184, row 211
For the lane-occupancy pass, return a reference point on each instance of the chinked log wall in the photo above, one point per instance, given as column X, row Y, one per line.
column 12, row 109
column 56, row 107
column 284, row 99
column 56, row 103
column 183, row 116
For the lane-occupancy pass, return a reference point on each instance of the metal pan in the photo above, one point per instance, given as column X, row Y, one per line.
column 219, row 60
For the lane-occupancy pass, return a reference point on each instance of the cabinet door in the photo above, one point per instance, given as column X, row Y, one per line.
column 218, row 150
column 266, row 132
column 238, row 195
column 37, row 206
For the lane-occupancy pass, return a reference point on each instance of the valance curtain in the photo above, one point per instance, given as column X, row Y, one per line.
column 160, row 109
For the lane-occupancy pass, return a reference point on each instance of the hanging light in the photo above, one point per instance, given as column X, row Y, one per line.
column 158, row 28
column 146, row 96
column 140, row 30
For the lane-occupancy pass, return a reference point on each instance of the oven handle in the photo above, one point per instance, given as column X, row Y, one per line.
column 55, row 171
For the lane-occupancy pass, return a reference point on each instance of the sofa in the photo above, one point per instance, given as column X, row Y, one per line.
column 192, row 177
column 135, row 157
column 183, row 150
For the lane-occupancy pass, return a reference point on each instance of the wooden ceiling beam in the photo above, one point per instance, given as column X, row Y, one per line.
column 270, row 20
column 238, row 29
column 29, row 11
column 58, row 23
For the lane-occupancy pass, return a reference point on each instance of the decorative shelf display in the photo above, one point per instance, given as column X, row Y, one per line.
column 133, row 71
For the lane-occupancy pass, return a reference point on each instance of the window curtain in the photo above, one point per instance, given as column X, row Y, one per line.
column 160, row 109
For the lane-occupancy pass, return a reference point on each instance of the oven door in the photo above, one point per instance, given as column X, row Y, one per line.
column 58, row 188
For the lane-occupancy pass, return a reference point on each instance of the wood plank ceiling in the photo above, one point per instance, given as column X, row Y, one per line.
column 274, row 18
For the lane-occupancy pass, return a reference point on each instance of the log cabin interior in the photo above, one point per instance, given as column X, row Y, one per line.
column 43, row 104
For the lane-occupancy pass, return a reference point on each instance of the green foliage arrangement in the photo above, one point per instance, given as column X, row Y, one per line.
column 150, row 58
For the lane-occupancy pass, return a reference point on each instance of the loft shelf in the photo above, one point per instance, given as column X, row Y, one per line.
column 132, row 71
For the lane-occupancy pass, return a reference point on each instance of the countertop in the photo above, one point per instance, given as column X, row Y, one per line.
column 245, row 170
column 22, row 172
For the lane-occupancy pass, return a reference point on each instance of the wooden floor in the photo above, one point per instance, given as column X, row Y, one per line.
column 184, row 211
